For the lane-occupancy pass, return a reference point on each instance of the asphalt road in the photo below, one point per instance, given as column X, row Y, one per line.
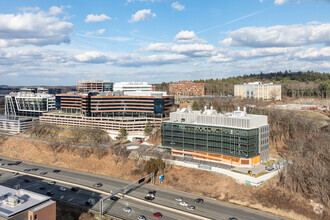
column 164, row 201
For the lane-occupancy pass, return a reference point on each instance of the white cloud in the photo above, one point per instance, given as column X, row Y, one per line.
column 92, row 57
column 313, row 54
column 188, row 37
column 191, row 50
column 280, row 2
column 29, row 9
column 177, row 6
column 33, row 28
column 101, row 31
column 279, row 36
column 54, row 10
column 97, row 18
column 141, row 15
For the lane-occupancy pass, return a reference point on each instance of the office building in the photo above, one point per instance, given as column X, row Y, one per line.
column 258, row 90
column 132, row 87
column 234, row 138
column 15, row 124
column 187, row 88
column 94, row 85
column 112, row 110
column 28, row 104
column 22, row 204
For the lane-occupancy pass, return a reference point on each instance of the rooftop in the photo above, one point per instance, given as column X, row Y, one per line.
column 14, row 118
column 31, row 95
column 237, row 119
column 26, row 200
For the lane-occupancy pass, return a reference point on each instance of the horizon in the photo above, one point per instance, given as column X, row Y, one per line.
column 61, row 42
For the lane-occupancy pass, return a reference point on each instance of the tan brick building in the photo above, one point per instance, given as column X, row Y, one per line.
column 187, row 88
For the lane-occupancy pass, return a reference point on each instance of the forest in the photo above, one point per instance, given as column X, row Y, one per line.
column 294, row 84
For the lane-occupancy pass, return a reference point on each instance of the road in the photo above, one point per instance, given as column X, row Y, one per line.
column 164, row 201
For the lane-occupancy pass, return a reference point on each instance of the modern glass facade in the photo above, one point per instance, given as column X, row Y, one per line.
column 242, row 143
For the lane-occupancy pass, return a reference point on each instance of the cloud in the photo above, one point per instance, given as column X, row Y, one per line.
column 279, row 36
column 313, row 54
column 33, row 28
column 191, row 50
column 280, row 2
column 177, row 6
column 92, row 57
column 54, row 10
column 33, row 9
column 101, row 31
column 96, row 18
column 141, row 15
column 188, row 37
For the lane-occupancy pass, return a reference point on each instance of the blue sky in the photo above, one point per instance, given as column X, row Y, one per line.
column 61, row 42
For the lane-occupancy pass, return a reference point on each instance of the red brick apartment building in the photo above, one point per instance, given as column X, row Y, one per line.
column 187, row 88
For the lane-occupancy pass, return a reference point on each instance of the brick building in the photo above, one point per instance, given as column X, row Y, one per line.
column 187, row 88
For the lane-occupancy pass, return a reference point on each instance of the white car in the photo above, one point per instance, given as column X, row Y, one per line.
column 14, row 173
column 127, row 209
column 191, row 208
column 179, row 199
column 51, row 183
column 183, row 203
column 62, row 188
column 141, row 217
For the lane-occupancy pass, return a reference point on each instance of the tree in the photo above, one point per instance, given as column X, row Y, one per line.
column 147, row 129
column 122, row 134
column 195, row 106
column 154, row 165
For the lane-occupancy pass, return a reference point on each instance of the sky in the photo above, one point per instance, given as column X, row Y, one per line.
column 60, row 42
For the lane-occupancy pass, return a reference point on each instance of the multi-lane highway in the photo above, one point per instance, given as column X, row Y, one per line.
column 164, row 201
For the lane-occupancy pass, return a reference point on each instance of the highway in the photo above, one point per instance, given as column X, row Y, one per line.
column 164, row 201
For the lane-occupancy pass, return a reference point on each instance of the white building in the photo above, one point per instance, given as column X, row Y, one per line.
column 258, row 90
column 132, row 87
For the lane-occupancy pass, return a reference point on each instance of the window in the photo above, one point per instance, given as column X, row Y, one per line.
column 35, row 217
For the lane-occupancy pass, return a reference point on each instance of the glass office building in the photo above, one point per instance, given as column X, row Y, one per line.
column 236, row 138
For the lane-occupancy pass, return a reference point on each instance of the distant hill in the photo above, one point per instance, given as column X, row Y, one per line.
column 294, row 84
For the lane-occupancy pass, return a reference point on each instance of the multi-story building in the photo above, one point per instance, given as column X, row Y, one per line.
column 258, row 90
column 187, row 88
column 234, row 138
column 22, row 204
column 28, row 104
column 111, row 110
column 14, row 124
column 132, row 87
column 94, row 85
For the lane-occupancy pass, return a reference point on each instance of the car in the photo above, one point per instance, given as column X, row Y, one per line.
column 35, row 169
column 74, row 189
column 56, row 171
column 51, row 182
column 199, row 200
column 97, row 185
column 17, row 163
column 141, row 217
column 10, row 164
column 114, row 198
column 90, row 202
column 43, row 173
column 14, row 173
column 157, row 214
column 183, row 203
column 149, row 197
column 232, row 218
column 179, row 199
column 27, row 170
column 1, row 164
column 50, row 193
column 127, row 209
column 152, row 192
column 191, row 207
column 27, row 180
column 62, row 189
column 42, row 188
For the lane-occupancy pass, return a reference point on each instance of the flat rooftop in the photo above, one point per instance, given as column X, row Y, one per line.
column 236, row 119
column 27, row 199
column 14, row 118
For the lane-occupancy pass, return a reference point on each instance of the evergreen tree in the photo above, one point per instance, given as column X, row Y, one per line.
column 122, row 134
column 195, row 106
column 147, row 129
